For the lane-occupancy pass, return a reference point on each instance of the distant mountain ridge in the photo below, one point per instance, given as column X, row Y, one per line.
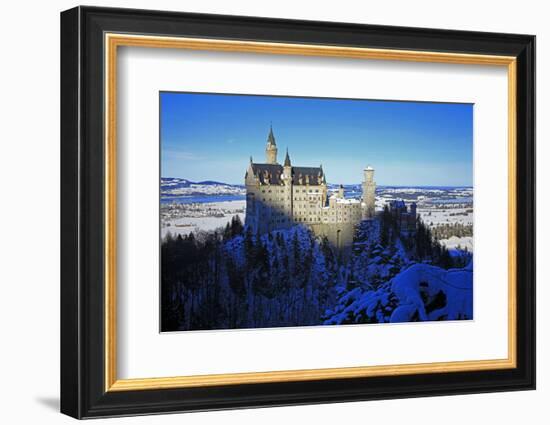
column 175, row 186
column 181, row 182
column 176, row 181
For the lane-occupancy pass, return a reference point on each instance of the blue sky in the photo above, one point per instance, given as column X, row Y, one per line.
column 211, row 137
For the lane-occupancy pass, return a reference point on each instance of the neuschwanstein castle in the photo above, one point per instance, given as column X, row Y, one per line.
column 280, row 196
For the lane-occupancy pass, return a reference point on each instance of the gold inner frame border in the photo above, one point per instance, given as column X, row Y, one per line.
column 112, row 41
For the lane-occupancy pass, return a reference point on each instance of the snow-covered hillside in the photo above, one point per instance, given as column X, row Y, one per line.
column 171, row 186
column 419, row 293
column 432, row 293
column 393, row 281
column 231, row 278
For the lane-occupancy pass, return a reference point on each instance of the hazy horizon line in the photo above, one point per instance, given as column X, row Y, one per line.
column 329, row 183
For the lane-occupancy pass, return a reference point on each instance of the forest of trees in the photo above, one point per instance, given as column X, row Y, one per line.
column 382, row 252
column 232, row 278
column 420, row 246
column 446, row 230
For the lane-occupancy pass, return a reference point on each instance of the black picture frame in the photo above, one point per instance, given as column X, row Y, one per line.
column 83, row 392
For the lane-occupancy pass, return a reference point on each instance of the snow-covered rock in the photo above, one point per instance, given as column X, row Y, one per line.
column 421, row 292
column 433, row 293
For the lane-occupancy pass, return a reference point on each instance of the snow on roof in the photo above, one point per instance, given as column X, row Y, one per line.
column 346, row 201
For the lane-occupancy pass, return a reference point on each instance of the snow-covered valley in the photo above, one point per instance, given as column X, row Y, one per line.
column 206, row 206
column 234, row 279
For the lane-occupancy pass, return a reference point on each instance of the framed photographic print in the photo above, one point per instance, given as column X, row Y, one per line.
column 261, row 212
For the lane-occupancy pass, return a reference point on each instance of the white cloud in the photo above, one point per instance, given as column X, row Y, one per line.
column 174, row 154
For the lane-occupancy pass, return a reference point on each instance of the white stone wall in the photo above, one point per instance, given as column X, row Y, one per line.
column 274, row 200
column 307, row 203
column 271, row 207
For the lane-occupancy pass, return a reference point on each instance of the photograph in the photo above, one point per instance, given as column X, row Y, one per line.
column 279, row 211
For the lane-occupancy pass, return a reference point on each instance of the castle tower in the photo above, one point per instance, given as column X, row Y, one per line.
column 369, row 187
column 287, row 179
column 341, row 192
column 271, row 148
column 287, row 168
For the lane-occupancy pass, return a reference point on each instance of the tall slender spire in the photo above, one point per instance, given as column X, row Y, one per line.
column 287, row 159
column 271, row 137
column 271, row 148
